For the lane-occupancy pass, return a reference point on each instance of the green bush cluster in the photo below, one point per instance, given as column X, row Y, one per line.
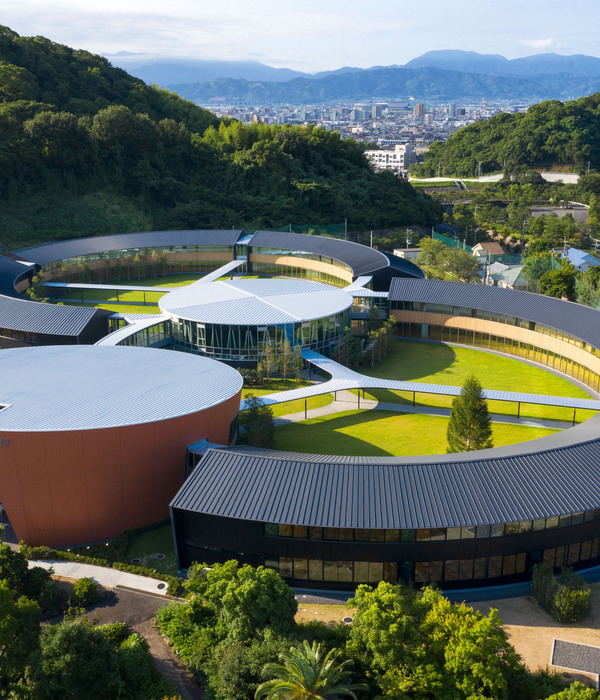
column 85, row 591
column 566, row 596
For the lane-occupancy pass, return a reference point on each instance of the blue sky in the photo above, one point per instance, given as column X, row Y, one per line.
column 312, row 35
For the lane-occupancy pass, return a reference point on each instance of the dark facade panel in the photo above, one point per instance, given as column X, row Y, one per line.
column 575, row 319
column 10, row 272
column 51, row 252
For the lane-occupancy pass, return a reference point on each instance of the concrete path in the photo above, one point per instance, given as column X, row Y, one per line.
column 111, row 578
column 347, row 401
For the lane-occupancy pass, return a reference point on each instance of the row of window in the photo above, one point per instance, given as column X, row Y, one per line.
column 139, row 252
column 441, row 571
column 300, row 254
column 429, row 534
column 493, row 316
column 517, row 348
column 273, row 270
column 219, row 339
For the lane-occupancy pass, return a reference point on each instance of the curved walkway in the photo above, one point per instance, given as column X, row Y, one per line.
column 110, row 578
column 343, row 378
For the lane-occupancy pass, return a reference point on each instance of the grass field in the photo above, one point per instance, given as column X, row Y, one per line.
column 437, row 363
column 149, row 544
column 372, row 433
column 284, row 409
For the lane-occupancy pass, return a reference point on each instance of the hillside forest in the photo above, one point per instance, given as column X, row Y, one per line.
column 87, row 149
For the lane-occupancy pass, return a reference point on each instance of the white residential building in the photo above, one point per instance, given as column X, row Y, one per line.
column 397, row 160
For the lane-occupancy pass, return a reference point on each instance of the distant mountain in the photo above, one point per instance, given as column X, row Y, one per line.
column 162, row 71
column 389, row 83
column 494, row 64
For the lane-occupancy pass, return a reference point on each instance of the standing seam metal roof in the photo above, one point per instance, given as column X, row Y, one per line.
column 581, row 321
column 391, row 492
column 360, row 258
column 51, row 252
column 49, row 319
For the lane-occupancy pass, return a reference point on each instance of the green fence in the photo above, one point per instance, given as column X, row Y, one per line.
column 451, row 242
column 332, row 230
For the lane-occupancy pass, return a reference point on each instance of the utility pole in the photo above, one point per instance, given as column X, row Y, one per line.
column 588, row 168
column 345, row 229
column 371, row 239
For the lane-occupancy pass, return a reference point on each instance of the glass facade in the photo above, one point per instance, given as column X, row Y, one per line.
column 275, row 269
column 130, row 263
column 241, row 342
column 439, row 534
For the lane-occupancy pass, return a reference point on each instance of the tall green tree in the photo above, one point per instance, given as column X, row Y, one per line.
column 246, row 598
column 469, row 427
column 258, row 421
column 308, row 673
column 558, row 283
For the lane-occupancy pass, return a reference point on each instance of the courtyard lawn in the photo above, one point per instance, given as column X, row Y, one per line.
column 107, row 298
column 147, row 545
column 438, row 363
column 378, row 433
column 283, row 409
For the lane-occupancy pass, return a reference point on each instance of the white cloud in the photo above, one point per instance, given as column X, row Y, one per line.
column 540, row 44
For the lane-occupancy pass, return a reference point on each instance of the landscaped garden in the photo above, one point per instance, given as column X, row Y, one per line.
column 374, row 433
column 271, row 386
column 438, row 363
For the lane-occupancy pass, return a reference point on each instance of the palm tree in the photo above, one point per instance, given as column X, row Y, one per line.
column 308, row 674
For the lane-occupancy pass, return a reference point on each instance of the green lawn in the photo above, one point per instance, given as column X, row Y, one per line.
column 149, row 544
column 377, row 433
column 438, row 363
column 107, row 298
column 284, row 409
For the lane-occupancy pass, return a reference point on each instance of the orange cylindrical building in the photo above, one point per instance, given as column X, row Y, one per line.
column 93, row 439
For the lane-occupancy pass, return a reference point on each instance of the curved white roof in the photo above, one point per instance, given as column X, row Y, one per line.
column 87, row 387
column 255, row 302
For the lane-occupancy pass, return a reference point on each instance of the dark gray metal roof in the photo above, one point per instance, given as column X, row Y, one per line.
column 50, row 319
column 490, row 487
column 576, row 657
column 51, row 252
column 360, row 258
column 10, row 270
column 578, row 320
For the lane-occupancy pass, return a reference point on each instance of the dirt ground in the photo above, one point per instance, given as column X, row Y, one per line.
column 530, row 630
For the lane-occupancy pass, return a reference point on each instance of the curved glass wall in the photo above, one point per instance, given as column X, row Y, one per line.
column 247, row 342
column 138, row 262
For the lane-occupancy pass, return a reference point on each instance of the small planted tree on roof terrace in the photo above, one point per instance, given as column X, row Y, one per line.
column 470, row 426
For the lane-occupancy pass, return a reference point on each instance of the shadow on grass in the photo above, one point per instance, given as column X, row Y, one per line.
column 323, row 436
column 413, row 359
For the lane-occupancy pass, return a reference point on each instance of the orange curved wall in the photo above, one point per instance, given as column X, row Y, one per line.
column 71, row 487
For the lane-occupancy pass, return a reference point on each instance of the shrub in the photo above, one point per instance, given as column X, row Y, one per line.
column 571, row 605
column 85, row 591
column 116, row 632
column 51, row 597
column 565, row 597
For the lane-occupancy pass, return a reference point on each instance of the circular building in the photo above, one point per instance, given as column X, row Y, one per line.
column 234, row 320
column 93, row 440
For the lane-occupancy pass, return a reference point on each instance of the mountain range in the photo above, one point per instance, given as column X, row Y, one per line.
column 443, row 75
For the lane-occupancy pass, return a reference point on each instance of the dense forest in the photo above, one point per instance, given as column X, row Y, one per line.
column 87, row 149
column 549, row 134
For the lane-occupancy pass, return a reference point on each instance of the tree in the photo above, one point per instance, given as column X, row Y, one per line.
column 258, row 420
column 307, row 673
column 440, row 262
column 247, row 598
column 419, row 645
column 285, row 358
column 558, row 283
column 469, row 427
column 19, row 633
column 576, row 691
column 78, row 661
column 268, row 360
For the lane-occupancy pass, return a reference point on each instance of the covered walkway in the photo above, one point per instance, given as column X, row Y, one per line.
column 344, row 379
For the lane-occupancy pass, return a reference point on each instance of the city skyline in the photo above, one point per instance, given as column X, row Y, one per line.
column 312, row 36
